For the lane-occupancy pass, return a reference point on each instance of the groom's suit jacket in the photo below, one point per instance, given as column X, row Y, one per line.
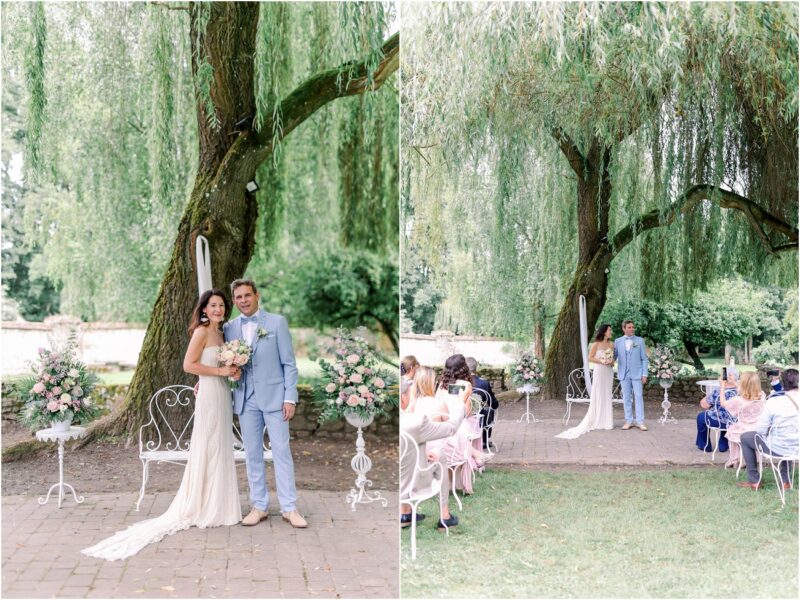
column 270, row 377
column 631, row 364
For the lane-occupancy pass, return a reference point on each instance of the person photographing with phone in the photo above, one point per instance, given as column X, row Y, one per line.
column 463, row 448
column 714, row 414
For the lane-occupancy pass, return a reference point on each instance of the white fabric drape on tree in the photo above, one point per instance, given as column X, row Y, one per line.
column 203, row 255
column 587, row 375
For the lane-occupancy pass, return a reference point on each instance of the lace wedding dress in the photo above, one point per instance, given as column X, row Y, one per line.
column 600, row 414
column 209, row 492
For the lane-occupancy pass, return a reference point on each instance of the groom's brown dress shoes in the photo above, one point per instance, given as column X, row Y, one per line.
column 295, row 519
column 254, row 518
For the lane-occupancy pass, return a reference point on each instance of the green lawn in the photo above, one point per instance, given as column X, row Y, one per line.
column 608, row 534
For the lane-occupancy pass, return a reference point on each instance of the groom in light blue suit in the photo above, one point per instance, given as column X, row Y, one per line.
column 631, row 356
column 266, row 396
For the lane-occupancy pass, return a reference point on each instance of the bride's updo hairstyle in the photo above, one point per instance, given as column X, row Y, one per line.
column 601, row 332
column 199, row 317
column 455, row 368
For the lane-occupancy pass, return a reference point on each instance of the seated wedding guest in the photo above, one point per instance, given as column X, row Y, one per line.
column 747, row 407
column 714, row 414
column 779, row 422
column 465, row 446
column 775, row 380
column 408, row 367
column 422, row 430
column 489, row 407
column 425, row 400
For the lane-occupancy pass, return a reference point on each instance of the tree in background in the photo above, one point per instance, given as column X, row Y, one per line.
column 730, row 312
column 251, row 90
column 636, row 136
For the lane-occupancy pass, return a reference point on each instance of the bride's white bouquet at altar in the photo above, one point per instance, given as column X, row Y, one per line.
column 58, row 390
column 527, row 370
column 355, row 381
column 664, row 364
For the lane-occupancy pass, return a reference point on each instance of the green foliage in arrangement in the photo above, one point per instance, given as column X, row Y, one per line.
column 59, row 389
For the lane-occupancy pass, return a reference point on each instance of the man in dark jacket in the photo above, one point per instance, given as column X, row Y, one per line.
column 490, row 404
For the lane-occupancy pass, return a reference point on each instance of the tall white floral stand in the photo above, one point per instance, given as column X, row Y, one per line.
column 528, row 389
column 665, row 404
column 361, row 464
column 60, row 435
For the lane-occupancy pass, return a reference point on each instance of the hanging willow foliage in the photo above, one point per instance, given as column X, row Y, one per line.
column 116, row 141
column 673, row 94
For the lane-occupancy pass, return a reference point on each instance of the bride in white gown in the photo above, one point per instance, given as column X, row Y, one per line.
column 600, row 414
column 209, row 492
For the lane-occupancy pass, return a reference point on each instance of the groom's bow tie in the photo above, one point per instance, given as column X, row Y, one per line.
column 253, row 319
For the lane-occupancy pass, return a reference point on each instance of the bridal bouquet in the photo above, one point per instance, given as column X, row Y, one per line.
column 58, row 390
column 356, row 383
column 664, row 364
column 234, row 354
column 608, row 356
column 527, row 369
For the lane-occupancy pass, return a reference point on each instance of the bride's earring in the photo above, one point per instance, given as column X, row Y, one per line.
column 203, row 318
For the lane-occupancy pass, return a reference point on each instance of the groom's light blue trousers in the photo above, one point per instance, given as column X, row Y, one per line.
column 633, row 387
column 252, row 421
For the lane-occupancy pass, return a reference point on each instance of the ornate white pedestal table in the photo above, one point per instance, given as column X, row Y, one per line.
column 361, row 464
column 528, row 389
column 665, row 404
column 49, row 435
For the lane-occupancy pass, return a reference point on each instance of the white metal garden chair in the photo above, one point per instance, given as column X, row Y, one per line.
column 783, row 428
column 716, row 413
column 577, row 392
column 487, row 423
column 409, row 451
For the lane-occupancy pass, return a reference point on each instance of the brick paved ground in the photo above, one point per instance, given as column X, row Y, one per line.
column 342, row 553
column 536, row 444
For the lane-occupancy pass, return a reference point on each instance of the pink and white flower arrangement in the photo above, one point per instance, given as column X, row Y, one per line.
column 234, row 354
column 354, row 382
column 663, row 363
column 527, row 369
column 58, row 389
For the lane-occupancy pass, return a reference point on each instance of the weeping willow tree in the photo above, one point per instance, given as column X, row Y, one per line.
column 235, row 79
column 628, row 143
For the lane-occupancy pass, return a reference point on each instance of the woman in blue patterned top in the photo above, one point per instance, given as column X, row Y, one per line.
column 715, row 414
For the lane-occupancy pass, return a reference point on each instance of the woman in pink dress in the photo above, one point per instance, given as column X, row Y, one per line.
column 464, row 447
column 748, row 405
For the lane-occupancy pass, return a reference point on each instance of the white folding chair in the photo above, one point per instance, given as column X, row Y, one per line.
column 409, row 451
column 716, row 412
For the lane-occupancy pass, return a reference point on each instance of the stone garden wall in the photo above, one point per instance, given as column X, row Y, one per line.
column 304, row 423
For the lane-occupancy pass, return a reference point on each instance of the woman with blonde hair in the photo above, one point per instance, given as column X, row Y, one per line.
column 408, row 368
column 424, row 400
column 747, row 404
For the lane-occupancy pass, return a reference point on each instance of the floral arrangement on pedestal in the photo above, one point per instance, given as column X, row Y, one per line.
column 58, row 391
column 663, row 363
column 527, row 370
column 355, row 382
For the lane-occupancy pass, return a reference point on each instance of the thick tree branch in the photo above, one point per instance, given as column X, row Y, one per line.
column 326, row 86
column 570, row 150
column 759, row 218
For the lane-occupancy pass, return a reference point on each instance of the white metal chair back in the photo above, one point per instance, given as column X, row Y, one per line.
column 576, row 386
column 784, row 428
column 488, row 418
column 414, row 494
column 164, row 430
